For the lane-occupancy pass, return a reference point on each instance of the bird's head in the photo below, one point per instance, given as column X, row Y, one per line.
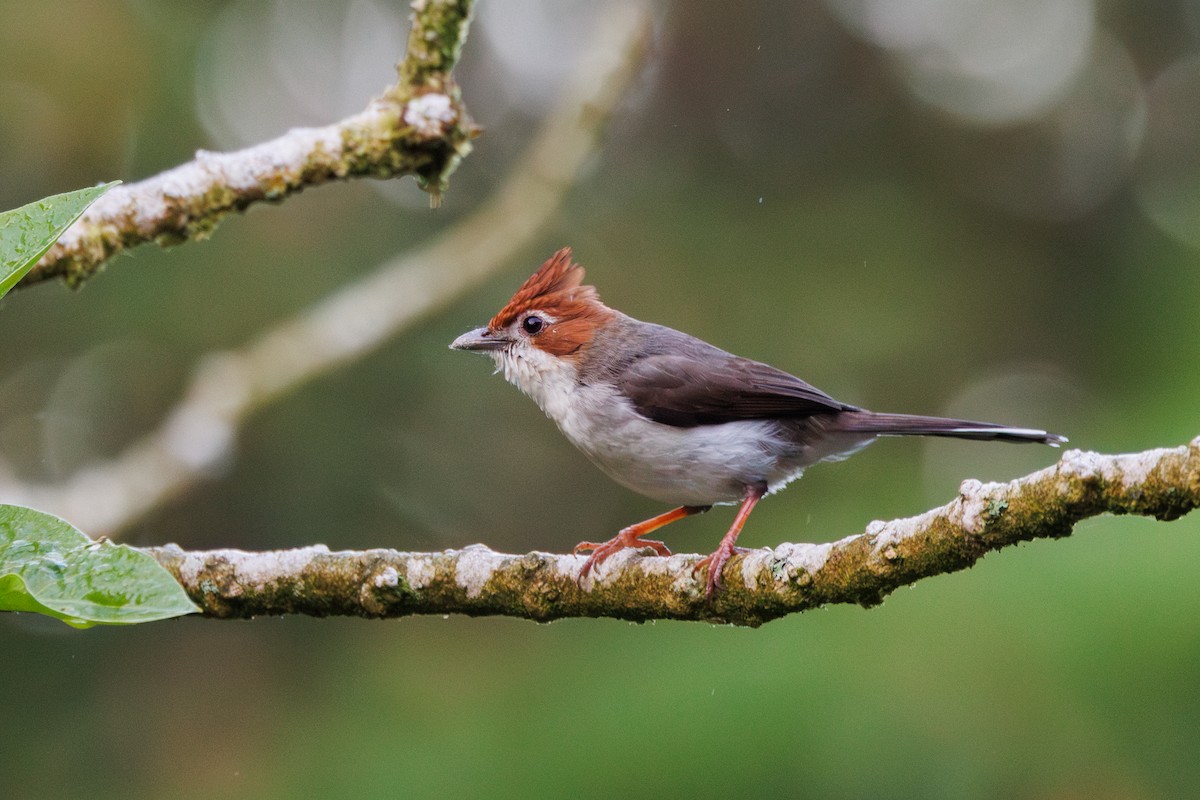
column 545, row 328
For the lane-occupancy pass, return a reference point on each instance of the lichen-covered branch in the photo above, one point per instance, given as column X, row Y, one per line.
column 419, row 127
column 760, row 586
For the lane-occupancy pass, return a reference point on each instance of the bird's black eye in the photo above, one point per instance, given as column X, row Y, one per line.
column 532, row 324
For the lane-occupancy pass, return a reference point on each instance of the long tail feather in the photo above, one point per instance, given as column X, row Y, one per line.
column 908, row 425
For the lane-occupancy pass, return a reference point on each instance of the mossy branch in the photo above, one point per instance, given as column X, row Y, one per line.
column 419, row 126
column 760, row 586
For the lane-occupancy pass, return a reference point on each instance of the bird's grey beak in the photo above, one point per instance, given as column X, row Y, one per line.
column 480, row 340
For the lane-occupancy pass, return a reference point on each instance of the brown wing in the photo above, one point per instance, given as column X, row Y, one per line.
column 686, row 382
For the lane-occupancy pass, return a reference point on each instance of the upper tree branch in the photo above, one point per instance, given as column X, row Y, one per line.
column 419, row 126
column 760, row 586
column 196, row 437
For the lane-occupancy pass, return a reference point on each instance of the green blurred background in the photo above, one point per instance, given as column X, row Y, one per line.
column 976, row 209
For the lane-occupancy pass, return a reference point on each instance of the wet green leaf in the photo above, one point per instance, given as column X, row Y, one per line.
column 26, row 233
column 50, row 567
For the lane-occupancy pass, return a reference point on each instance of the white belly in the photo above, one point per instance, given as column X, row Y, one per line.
column 687, row 466
column 699, row 466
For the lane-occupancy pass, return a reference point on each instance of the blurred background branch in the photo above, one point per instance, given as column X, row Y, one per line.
column 418, row 126
column 861, row 569
column 197, row 436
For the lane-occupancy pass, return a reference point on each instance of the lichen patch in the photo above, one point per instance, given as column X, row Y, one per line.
column 889, row 535
column 387, row 578
column 809, row 558
column 753, row 563
column 430, row 114
column 420, row 572
column 475, row 566
column 968, row 509
column 259, row 569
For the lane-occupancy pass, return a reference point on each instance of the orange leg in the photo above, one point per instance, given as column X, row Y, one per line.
column 631, row 537
column 725, row 550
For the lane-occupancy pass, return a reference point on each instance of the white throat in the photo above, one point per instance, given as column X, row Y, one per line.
column 547, row 380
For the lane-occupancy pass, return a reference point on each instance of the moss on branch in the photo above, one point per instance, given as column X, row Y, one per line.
column 760, row 585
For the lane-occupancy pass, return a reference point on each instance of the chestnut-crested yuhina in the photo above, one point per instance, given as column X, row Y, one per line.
column 673, row 417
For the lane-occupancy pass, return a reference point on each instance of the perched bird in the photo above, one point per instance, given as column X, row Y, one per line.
column 673, row 417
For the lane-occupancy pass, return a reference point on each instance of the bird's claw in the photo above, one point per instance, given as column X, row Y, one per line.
column 715, row 563
column 602, row 551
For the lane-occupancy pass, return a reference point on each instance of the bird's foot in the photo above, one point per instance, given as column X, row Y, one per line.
column 601, row 551
column 715, row 564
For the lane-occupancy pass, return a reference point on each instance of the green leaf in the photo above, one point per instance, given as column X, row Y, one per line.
column 26, row 233
column 47, row 565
